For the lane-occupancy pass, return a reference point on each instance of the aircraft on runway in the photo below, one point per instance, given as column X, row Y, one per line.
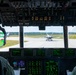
column 48, row 37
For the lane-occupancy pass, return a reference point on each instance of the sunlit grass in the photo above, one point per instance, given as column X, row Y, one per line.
column 10, row 43
column 72, row 36
column 25, row 41
column 56, row 36
column 35, row 36
column 14, row 36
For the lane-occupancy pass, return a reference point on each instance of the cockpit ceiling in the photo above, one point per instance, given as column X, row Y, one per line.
column 38, row 12
column 38, row 3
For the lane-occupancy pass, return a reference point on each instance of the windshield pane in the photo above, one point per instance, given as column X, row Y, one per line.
column 72, row 36
column 12, row 38
column 51, row 37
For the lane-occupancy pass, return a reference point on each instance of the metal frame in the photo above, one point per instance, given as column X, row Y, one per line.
column 65, row 30
column 21, row 37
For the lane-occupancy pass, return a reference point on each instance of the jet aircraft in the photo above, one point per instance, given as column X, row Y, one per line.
column 49, row 38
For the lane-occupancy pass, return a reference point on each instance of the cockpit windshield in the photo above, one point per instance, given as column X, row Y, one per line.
column 51, row 37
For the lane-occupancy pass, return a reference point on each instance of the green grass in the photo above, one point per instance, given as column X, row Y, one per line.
column 35, row 35
column 25, row 41
column 72, row 36
column 10, row 43
column 14, row 36
column 59, row 36
column 56, row 36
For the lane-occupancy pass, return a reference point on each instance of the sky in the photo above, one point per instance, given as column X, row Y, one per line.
column 36, row 29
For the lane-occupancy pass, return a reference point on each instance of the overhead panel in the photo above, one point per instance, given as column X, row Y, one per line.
column 38, row 12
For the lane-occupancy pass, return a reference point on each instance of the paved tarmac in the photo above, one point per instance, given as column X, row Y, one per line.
column 41, row 43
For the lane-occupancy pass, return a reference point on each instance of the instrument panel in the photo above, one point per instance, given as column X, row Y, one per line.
column 38, row 13
column 43, row 52
column 43, row 61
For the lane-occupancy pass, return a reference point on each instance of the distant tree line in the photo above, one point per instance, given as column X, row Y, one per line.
column 37, row 33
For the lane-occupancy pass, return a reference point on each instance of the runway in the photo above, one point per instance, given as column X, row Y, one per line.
column 41, row 43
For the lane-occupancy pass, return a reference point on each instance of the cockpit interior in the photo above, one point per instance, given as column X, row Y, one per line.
column 54, row 54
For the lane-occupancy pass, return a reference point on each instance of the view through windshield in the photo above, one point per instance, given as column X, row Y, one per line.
column 51, row 37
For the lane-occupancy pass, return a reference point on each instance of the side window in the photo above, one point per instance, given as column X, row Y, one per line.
column 72, row 36
column 12, row 38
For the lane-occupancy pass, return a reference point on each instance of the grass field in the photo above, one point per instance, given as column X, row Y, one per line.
column 10, row 43
column 56, row 36
column 43, row 36
column 72, row 36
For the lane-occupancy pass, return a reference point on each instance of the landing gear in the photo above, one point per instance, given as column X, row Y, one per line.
column 49, row 40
